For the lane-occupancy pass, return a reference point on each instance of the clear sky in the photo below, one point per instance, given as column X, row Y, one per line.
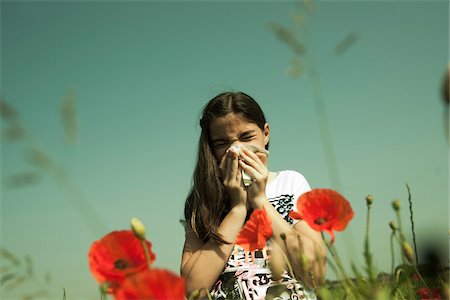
column 141, row 72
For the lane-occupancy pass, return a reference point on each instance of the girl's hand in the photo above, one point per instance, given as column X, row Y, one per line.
column 254, row 166
column 232, row 179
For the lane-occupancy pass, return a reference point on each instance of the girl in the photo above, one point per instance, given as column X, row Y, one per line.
column 219, row 204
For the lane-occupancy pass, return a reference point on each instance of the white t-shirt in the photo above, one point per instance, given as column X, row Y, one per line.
column 284, row 190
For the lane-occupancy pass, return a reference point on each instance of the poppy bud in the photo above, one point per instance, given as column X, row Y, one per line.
column 392, row 225
column 138, row 228
column 369, row 199
column 396, row 205
column 408, row 252
column 283, row 236
column 194, row 295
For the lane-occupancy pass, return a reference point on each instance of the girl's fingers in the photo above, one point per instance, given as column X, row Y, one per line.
column 253, row 160
column 230, row 169
column 233, row 165
column 248, row 169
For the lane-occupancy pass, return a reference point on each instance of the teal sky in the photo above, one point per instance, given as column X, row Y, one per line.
column 142, row 70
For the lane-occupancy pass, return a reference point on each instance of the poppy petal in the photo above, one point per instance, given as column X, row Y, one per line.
column 256, row 231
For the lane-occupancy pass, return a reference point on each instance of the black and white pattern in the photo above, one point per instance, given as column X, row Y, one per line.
column 284, row 204
column 247, row 274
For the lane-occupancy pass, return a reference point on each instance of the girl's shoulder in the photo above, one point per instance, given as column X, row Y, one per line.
column 288, row 182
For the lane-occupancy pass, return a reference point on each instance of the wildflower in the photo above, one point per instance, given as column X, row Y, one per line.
column 256, row 231
column 138, row 228
column 323, row 210
column 154, row 284
column 117, row 255
column 425, row 293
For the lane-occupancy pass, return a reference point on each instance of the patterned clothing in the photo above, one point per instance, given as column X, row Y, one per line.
column 247, row 274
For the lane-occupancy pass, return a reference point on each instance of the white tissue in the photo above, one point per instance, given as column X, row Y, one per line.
column 246, row 179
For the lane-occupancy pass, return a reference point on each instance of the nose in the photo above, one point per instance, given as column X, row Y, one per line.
column 234, row 143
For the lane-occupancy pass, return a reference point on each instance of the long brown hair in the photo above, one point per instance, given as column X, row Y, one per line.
column 207, row 202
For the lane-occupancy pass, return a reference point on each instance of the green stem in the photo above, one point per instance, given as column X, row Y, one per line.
column 208, row 295
column 392, row 252
column 400, row 230
column 421, row 279
column 367, row 254
column 339, row 265
column 291, row 271
column 147, row 253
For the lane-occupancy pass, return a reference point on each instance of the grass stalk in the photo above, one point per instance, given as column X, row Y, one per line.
column 367, row 254
column 346, row 279
column 392, row 252
column 412, row 224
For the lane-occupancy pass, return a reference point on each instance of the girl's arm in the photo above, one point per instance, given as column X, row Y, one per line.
column 202, row 264
column 300, row 240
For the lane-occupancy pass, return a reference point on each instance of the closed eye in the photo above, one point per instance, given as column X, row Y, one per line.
column 248, row 137
column 219, row 145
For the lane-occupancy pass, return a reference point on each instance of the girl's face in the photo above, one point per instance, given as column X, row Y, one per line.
column 235, row 129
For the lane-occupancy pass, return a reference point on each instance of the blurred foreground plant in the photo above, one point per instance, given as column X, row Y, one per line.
column 326, row 210
column 121, row 262
column 18, row 277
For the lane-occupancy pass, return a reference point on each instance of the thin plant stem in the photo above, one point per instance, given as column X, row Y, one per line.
column 291, row 271
column 400, row 230
column 339, row 265
column 367, row 254
column 208, row 295
column 147, row 253
column 412, row 224
column 421, row 279
column 392, row 252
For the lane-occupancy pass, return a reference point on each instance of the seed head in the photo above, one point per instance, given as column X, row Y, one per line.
column 408, row 252
column 396, row 204
column 393, row 226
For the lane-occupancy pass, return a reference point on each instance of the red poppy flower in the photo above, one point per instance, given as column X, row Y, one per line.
column 256, row 231
column 117, row 255
column 433, row 293
column 323, row 210
column 152, row 284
